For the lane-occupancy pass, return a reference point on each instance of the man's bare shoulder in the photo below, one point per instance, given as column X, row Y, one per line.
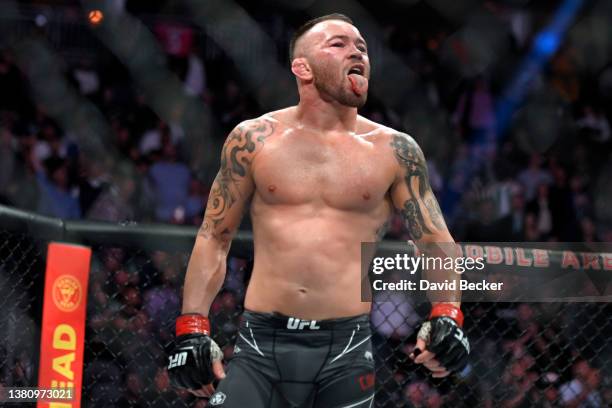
column 401, row 148
column 280, row 115
column 264, row 123
column 385, row 134
column 249, row 136
column 367, row 126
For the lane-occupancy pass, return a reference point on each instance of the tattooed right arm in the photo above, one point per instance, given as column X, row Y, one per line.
column 229, row 196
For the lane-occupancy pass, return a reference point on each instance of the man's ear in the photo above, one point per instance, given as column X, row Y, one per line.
column 301, row 69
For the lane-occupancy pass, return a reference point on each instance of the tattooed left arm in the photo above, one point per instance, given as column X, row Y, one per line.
column 412, row 195
column 441, row 345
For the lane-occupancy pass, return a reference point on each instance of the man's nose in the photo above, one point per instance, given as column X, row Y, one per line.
column 356, row 53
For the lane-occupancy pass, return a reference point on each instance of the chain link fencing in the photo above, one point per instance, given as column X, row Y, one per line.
column 524, row 355
column 21, row 289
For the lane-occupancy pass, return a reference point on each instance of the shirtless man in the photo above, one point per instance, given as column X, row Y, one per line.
column 318, row 180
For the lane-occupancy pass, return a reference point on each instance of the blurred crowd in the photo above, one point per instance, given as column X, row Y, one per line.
column 542, row 178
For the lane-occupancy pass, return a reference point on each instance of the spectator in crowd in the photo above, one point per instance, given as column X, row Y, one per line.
column 434, row 400
column 198, row 195
column 170, row 181
column 131, row 302
column 540, row 208
column 57, row 199
column 583, row 390
column 163, row 301
column 588, row 230
column 594, row 124
column 517, row 383
column 87, row 78
column 133, row 395
column 49, row 144
column 531, row 230
column 115, row 203
column 98, row 307
column 475, row 114
column 23, row 370
column 163, row 394
column 231, row 105
column 416, row 394
column 485, row 227
column 195, row 78
column 581, row 204
column 158, row 138
column 534, row 176
column 125, row 141
column 22, row 190
column 93, row 179
column 546, row 392
column 511, row 228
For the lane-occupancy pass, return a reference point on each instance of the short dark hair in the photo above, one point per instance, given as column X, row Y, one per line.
column 311, row 23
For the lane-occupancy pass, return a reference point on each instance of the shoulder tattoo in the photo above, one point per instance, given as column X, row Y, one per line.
column 237, row 155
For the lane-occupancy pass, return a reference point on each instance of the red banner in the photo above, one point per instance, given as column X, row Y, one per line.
column 63, row 325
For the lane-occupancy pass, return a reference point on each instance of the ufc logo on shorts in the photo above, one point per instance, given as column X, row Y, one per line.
column 298, row 324
column 177, row 360
column 461, row 337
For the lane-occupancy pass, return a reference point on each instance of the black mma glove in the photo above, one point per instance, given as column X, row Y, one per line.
column 444, row 336
column 190, row 363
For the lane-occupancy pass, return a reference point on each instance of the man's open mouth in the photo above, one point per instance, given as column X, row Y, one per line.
column 359, row 70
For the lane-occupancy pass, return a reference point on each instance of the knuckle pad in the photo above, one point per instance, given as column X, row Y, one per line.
column 196, row 369
column 449, row 343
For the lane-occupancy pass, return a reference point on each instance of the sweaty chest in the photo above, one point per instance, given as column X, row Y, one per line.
column 348, row 176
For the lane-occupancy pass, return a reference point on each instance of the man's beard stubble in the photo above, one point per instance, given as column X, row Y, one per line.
column 330, row 91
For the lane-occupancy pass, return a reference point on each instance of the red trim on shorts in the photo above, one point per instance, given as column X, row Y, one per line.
column 447, row 310
column 192, row 323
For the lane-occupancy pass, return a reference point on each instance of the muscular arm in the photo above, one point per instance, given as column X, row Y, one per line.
column 412, row 196
column 229, row 196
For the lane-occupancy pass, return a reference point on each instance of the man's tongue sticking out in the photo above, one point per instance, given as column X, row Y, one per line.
column 359, row 84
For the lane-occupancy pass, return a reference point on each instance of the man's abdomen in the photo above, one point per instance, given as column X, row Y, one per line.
column 309, row 267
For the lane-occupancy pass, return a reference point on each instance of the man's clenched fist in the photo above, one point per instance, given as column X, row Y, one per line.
column 196, row 359
column 442, row 346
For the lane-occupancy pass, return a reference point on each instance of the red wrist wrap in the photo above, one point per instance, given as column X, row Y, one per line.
column 192, row 323
column 448, row 310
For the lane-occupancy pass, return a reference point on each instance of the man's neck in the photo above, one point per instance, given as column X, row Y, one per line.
column 325, row 116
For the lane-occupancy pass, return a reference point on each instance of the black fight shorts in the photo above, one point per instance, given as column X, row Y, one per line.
column 285, row 362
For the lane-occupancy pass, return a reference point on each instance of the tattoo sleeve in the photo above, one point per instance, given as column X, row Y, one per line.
column 420, row 210
column 232, row 187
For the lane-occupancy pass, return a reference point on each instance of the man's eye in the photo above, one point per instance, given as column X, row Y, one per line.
column 363, row 49
column 337, row 45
